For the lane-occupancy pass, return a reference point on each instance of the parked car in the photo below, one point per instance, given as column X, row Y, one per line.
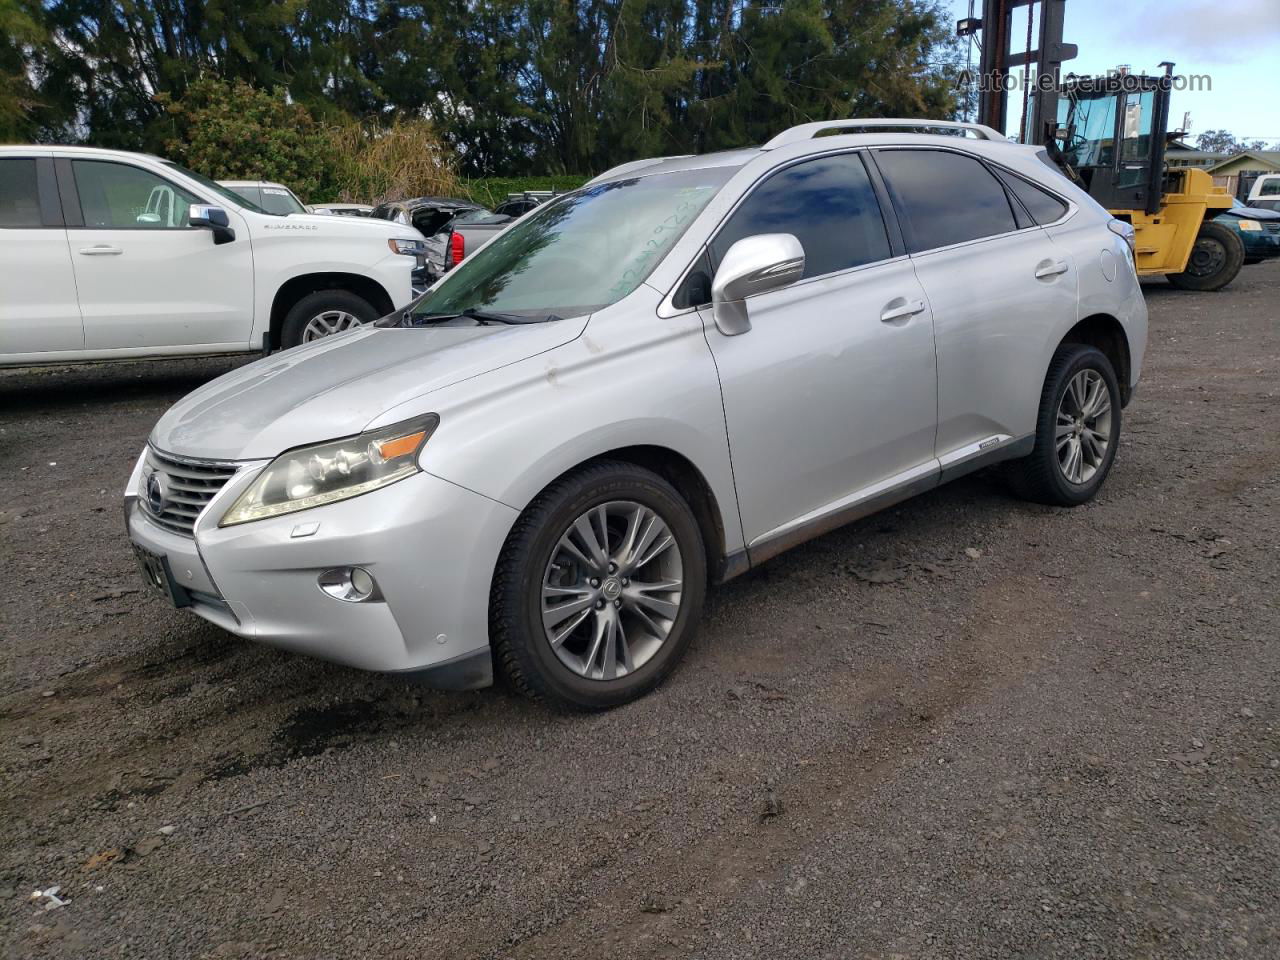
column 1265, row 192
column 461, row 237
column 342, row 209
column 518, row 204
column 428, row 215
column 655, row 382
column 1259, row 230
column 111, row 255
column 274, row 198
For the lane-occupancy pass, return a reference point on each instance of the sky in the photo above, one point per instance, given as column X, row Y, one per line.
column 1235, row 42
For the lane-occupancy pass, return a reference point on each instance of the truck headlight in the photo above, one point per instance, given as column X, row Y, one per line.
column 327, row 472
column 409, row 248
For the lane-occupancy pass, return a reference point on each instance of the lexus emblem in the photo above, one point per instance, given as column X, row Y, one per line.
column 155, row 493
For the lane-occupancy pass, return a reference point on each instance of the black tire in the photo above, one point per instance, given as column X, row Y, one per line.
column 522, row 651
column 1215, row 260
column 323, row 301
column 1040, row 477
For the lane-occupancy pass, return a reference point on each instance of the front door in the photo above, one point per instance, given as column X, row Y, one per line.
column 146, row 277
column 831, row 397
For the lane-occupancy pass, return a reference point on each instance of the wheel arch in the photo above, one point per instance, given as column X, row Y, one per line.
column 689, row 482
column 1105, row 332
column 295, row 288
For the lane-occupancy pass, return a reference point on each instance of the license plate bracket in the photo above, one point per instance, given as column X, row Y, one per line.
column 156, row 574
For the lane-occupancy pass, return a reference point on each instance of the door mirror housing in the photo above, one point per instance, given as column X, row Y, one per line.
column 215, row 218
column 753, row 265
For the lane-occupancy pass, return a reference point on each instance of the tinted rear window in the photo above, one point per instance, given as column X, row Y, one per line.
column 1044, row 207
column 19, row 197
column 944, row 198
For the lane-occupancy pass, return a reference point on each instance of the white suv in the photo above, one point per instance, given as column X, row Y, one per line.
column 101, row 258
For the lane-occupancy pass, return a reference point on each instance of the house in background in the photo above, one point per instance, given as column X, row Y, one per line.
column 1179, row 155
column 1238, row 172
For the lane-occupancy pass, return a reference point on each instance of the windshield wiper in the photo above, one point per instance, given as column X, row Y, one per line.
column 486, row 316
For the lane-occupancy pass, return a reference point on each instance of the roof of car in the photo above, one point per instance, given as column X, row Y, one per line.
column 870, row 132
column 252, row 183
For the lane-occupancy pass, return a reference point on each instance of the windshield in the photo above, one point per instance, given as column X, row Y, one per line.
column 214, row 187
column 581, row 252
column 281, row 201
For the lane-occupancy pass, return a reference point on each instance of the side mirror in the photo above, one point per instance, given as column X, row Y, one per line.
column 147, row 218
column 767, row 261
column 215, row 218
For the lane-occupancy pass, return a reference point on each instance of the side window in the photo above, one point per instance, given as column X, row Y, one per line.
column 19, row 193
column 117, row 196
column 828, row 204
column 696, row 289
column 944, row 198
column 1043, row 206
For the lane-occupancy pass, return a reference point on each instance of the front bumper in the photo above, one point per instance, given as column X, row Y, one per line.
column 1260, row 244
column 430, row 545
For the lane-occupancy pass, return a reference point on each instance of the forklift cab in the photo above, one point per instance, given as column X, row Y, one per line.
column 1106, row 134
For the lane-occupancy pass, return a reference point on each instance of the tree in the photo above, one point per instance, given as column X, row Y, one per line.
column 1218, row 141
column 21, row 32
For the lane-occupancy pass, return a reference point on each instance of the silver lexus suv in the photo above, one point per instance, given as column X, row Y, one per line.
column 654, row 383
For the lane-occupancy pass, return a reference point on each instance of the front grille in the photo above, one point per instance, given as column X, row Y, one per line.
column 182, row 488
column 1271, row 226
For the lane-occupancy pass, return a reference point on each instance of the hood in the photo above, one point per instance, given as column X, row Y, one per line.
column 1253, row 213
column 335, row 387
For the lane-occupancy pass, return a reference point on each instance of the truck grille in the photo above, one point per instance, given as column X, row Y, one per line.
column 175, row 489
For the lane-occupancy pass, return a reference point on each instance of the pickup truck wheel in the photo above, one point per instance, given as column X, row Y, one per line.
column 324, row 313
column 599, row 589
column 1215, row 259
column 1077, row 430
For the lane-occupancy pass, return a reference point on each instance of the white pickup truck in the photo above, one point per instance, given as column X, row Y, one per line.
column 111, row 255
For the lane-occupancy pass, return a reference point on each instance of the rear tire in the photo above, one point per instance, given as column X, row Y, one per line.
column 324, row 313
column 1077, row 430
column 590, row 630
column 1215, row 259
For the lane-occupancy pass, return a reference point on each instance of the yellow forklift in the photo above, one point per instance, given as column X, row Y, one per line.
column 1108, row 134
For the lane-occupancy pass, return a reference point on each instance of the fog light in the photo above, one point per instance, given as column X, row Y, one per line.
column 352, row 584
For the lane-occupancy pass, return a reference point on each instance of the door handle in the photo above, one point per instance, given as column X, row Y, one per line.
column 101, row 250
column 1050, row 268
column 900, row 308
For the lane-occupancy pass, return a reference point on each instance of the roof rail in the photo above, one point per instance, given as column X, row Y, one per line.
column 631, row 167
column 807, row 131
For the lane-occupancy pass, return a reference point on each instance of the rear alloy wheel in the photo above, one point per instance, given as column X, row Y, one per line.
column 1215, row 259
column 599, row 588
column 323, row 314
column 1077, row 430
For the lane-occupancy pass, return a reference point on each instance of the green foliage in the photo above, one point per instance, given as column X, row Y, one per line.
column 491, row 191
column 233, row 131
column 511, row 86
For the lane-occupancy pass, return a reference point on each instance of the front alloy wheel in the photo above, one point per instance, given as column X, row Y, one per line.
column 598, row 590
column 611, row 592
column 327, row 323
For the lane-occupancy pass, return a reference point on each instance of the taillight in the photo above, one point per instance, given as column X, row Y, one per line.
column 457, row 249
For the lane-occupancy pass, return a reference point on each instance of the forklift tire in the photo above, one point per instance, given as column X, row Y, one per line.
column 1215, row 259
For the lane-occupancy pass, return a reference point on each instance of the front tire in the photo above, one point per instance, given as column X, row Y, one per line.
column 324, row 313
column 1215, row 259
column 598, row 591
column 1077, row 430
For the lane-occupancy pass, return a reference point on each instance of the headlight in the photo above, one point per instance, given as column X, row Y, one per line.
column 410, row 248
column 328, row 472
column 1251, row 225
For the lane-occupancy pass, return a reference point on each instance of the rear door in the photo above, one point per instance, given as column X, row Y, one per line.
column 39, row 311
column 998, row 286
column 146, row 277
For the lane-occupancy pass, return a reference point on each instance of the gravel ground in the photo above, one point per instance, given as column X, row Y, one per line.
column 967, row 727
